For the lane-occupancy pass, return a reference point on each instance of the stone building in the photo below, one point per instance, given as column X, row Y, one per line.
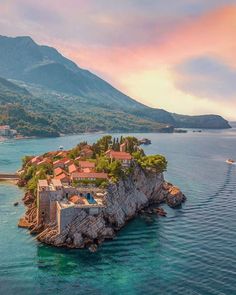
column 59, row 203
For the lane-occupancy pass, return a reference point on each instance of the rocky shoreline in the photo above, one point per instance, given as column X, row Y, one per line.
column 138, row 193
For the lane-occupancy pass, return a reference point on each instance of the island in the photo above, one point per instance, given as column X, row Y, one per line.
column 80, row 197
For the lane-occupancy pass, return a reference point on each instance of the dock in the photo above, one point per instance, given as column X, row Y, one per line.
column 9, row 176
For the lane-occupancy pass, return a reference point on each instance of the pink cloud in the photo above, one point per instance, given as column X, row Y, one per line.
column 211, row 34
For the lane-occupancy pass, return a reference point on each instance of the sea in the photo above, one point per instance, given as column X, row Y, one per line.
column 191, row 251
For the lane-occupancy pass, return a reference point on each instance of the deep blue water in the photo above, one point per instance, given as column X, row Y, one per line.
column 191, row 251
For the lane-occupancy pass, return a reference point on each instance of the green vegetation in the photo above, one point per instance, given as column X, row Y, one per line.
column 154, row 162
column 32, row 172
column 21, row 113
column 47, row 114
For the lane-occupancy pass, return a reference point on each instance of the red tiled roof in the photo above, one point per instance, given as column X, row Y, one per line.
column 120, row 155
column 72, row 168
column 77, row 199
column 46, row 160
column 86, row 150
column 60, row 161
column 36, row 159
column 58, row 171
column 86, row 164
column 98, row 175
column 62, row 176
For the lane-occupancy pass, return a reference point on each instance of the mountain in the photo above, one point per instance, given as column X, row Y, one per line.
column 17, row 109
column 81, row 95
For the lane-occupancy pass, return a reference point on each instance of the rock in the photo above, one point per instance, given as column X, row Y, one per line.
column 161, row 212
column 136, row 193
column 78, row 240
column 68, row 241
column 107, row 233
column 16, row 204
column 93, row 248
column 175, row 197
column 23, row 223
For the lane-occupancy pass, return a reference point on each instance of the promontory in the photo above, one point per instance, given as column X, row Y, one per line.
column 78, row 198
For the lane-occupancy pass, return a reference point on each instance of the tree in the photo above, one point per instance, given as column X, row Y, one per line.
column 131, row 144
column 115, row 168
column 156, row 162
column 102, row 165
column 25, row 160
column 102, row 145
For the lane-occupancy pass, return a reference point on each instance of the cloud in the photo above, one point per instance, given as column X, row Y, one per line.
column 207, row 77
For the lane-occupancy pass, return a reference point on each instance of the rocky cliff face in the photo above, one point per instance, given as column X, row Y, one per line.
column 123, row 201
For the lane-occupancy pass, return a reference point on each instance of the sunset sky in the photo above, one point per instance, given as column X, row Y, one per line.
column 179, row 55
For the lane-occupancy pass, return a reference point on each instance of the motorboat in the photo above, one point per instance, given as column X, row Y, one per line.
column 145, row 141
column 230, row 161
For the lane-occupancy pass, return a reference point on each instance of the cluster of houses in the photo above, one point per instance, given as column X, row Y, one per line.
column 58, row 201
column 6, row 131
column 82, row 168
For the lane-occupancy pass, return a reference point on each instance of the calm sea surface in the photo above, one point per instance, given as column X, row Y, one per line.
column 191, row 251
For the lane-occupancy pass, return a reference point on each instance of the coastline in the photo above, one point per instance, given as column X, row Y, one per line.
column 8, row 181
column 141, row 193
column 80, row 197
column 175, row 131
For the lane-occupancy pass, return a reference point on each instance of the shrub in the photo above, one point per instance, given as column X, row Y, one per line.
column 155, row 162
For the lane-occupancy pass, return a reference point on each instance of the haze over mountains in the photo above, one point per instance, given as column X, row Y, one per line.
column 48, row 94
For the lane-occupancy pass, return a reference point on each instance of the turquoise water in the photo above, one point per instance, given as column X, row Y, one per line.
column 191, row 251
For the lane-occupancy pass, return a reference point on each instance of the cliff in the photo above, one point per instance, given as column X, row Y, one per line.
column 124, row 200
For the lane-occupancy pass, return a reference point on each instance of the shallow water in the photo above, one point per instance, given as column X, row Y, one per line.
column 191, row 251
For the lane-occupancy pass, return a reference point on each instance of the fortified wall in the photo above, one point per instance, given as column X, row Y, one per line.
column 61, row 204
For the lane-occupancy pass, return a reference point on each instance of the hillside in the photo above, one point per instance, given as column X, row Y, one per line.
column 17, row 109
column 76, row 94
column 47, row 113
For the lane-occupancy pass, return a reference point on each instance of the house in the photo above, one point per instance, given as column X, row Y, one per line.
column 58, row 171
column 42, row 185
column 123, row 157
column 68, row 163
column 5, row 130
column 88, row 176
column 62, row 154
column 86, row 166
column 86, row 152
column 72, row 168
column 36, row 160
column 57, row 184
column 123, row 147
column 63, row 177
column 44, row 161
column 59, row 163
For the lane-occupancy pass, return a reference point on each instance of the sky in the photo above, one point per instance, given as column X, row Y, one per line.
column 175, row 55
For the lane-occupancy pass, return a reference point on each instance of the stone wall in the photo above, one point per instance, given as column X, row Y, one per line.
column 123, row 201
